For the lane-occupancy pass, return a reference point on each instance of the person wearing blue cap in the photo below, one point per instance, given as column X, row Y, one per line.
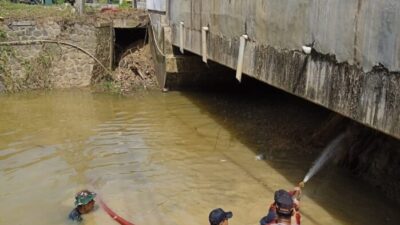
column 219, row 217
column 84, row 202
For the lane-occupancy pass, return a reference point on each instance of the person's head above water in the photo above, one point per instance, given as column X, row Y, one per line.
column 219, row 217
column 284, row 203
column 84, row 201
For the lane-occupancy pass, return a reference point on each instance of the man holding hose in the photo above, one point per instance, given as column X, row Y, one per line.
column 286, row 208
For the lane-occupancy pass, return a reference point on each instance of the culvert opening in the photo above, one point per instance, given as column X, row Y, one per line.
column 127, row 40
column 133, row 65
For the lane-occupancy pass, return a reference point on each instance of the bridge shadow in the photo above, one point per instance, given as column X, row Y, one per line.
column 283, row 129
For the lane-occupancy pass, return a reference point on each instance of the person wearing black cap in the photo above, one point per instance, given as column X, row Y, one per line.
column 285, row 209
column 219, row 217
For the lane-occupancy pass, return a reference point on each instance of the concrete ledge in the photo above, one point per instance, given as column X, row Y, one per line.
column 126, row 23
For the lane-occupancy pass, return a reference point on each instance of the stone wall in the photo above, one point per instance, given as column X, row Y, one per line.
column 53, row 65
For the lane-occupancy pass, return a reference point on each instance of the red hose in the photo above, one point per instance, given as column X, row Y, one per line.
column 113, row 215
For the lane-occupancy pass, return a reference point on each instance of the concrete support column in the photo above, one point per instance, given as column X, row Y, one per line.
column 80, row 6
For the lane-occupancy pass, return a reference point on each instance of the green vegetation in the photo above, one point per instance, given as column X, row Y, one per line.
column 5, row 54
column 9, row 10
column 126, row 5
column 37, row 70
column 3, row 35
column 108, row 86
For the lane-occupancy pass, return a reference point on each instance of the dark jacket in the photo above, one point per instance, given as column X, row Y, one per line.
column 75, row 215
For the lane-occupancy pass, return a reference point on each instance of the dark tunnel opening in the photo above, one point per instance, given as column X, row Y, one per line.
column 127, row 39
column 267, row 114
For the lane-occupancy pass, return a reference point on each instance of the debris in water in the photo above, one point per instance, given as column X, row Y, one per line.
column 260, row 156
column 129, row 74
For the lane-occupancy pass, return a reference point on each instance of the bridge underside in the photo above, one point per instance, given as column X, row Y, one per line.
column 351, row 70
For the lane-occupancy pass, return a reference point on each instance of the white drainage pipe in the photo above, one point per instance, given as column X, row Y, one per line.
column 181, row 37
column 239, row 69
column 306, row 49
column 204, row 43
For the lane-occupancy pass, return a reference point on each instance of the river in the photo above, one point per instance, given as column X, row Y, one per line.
column 169, row 158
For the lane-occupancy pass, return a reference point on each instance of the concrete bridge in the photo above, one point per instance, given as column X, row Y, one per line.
column 353, row 67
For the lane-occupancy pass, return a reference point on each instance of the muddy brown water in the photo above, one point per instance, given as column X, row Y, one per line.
column 168, row 159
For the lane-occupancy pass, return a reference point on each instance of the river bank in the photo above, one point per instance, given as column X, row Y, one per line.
column 52, row 47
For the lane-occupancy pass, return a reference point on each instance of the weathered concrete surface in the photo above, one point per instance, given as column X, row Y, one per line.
column 357, row 35
column 355, row 31
column 161, row 46
column 174, row 70
column 141, row 4
column 126, row 18
column 126, row 23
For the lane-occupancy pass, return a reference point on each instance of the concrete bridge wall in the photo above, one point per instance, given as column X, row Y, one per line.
column 365, row 32
column 354, row 69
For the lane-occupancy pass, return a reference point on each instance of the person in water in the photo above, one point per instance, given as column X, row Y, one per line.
column 84, row 202
column 286, row 208
column 219, row 217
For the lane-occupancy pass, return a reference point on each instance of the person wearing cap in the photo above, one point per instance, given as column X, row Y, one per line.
column 84, row 202
column 219, row 217
column 285, row 209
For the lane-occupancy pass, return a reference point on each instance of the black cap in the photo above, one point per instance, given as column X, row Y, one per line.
column 218, row 215
column 284, row 202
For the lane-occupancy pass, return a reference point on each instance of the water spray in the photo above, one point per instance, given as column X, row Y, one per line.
column 327, row 154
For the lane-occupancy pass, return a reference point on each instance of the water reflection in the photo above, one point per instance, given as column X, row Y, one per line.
column 164, row 158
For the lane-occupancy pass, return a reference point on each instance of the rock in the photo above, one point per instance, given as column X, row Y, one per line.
column 37, row 33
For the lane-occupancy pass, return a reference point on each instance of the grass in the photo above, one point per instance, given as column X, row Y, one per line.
column 9, row 10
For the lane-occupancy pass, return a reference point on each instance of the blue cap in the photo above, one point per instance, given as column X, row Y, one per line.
column 284, row 202
column 218, row 215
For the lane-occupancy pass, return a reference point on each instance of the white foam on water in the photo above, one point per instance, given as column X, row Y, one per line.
column 327, row 154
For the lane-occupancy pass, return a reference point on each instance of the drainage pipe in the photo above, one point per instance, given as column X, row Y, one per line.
column 181, row 37
column 239, row 69
column 204, row 43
